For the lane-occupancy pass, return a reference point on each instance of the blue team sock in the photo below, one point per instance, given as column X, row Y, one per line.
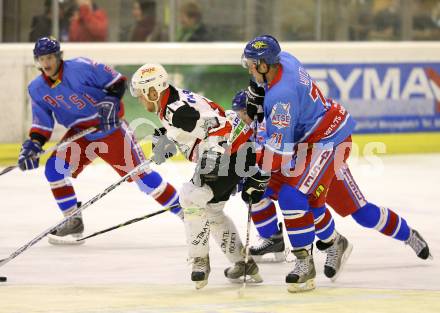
column 265, row 219
column 324, row 224
column 383, row 220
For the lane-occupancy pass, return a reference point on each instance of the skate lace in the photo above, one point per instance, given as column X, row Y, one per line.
column 200, row 264
column 332, row 256
column 416, row 243
column 71, row 223
column 301, row 267
column 263, row 243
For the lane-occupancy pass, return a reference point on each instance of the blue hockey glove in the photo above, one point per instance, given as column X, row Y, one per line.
column 255, row 101
column 28, row 160
column 108, row 110
column 163, row 147
column 254, row 187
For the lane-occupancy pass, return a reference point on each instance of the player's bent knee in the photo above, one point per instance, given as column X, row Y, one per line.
column 367, row 216
column 214, row 212
column 152, row 179
column 194, row 196
column 56, row 169
column 263, row 203
column 291, row 198
column 193, row 212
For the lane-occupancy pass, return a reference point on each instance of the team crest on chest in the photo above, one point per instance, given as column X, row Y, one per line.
column 280, row 115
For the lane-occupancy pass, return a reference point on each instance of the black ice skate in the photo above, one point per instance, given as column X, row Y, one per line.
column 302, row 278
column 200, row 271
column 419, row 245
column 270, row 249
column 338, row 252
column 68, row 233
column 236, row 272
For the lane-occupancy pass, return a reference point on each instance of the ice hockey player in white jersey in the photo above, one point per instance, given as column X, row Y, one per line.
column 204, row 135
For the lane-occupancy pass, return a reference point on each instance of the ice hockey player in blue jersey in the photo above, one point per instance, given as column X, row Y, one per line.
column 345, row 199
column 308, row 143
column 79, row 94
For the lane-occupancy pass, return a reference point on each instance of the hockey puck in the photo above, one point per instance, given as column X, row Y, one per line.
column 3, row 279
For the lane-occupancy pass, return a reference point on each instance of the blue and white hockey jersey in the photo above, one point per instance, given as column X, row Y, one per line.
column 296, row 111
column 71, row 100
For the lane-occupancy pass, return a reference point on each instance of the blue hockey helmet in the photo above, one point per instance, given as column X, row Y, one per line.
column 46, row 45
column 264, row 48
column 239, row 101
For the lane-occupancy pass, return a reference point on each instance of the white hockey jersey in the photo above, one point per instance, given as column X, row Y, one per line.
column 197, row 124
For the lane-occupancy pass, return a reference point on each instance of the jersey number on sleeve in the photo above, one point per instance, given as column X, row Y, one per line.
column 316, row 93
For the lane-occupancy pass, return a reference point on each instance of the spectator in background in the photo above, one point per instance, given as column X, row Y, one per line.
column 144, row 13
column 191, row 25
column 88, row 23
column 41, row 25
column 386, row 21
column 425, row 23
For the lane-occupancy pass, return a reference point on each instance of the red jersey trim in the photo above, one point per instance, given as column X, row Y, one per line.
column 46, row 134
column 164, row 103
column 277, row 77
column 330, row 123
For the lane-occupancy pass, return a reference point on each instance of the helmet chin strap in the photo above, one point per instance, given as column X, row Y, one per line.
column 263, row 73
column 155, row 103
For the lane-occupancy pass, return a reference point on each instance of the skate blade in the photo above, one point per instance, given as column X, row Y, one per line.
column 273, row 257
column 301, row 287
column 69, row 240
column 344, row 259
column 252, row 279
column 201, row 284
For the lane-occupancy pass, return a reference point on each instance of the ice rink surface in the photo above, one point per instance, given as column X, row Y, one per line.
column 142, row 267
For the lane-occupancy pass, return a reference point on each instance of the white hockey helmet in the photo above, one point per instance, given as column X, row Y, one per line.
column 147, row 76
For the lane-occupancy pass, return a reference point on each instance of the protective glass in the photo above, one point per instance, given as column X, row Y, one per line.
column 247, row 62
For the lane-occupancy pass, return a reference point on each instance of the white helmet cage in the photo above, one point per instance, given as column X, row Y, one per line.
column 147, row 76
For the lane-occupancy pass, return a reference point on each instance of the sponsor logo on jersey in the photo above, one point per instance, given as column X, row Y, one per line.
column 319, row 190
column 280, row 115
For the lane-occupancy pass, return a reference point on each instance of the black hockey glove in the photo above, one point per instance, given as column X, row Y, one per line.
column 162, row 147
column 254, row 187
column 28, row 160
column 255, row 101
column 108, row 110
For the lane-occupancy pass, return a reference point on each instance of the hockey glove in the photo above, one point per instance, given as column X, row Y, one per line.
column 163, row 147
column 108, row 110
column 255, row 101
column 28, row 158
column 254, row 188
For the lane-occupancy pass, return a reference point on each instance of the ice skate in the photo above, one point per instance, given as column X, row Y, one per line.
column 68, row 233
column 235, row 272
column 200, row 271
column 271, row 249
column 419, row 245
column 338, row 252
column 302, row 278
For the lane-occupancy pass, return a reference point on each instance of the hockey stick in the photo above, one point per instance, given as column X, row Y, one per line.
column 123, row 179
column 59, row 145
column 134, row 220
column 248, row 226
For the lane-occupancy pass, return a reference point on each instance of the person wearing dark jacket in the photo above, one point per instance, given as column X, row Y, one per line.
column 191, row 24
